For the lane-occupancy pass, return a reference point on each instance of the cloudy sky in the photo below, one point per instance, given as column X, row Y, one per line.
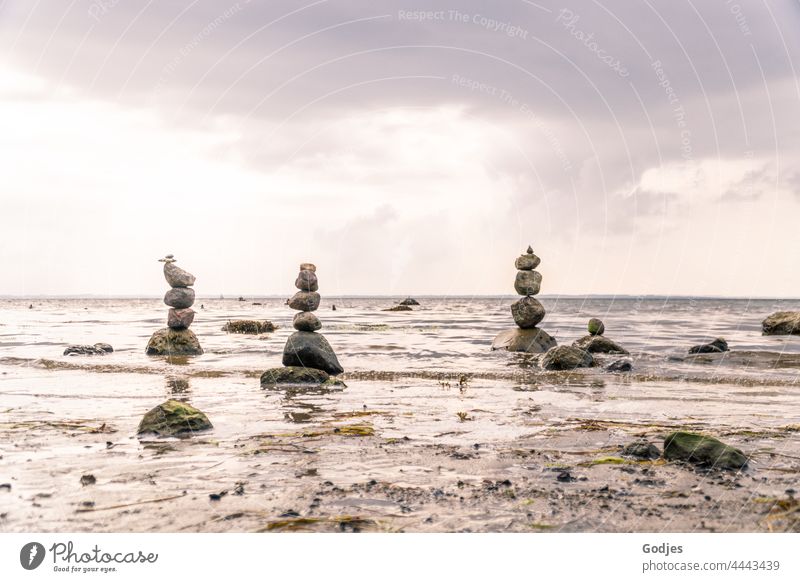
column 404, row 147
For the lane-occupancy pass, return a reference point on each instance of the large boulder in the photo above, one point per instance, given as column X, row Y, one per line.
column 99, row 349
column 293, row 375
column 179, row 297
column 598, row 344
column 173, row 418
column 305, row 301
column 173, row 342
column 527, row 312
column 719, row 345
column 702, row 450
column 566, row 358
column 528, row 282
column 782, row 323
column 248, row 326
column 532, row 340
column 177, row 277
column 311, row 350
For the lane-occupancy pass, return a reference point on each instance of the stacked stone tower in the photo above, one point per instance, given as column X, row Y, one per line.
column 176, row 339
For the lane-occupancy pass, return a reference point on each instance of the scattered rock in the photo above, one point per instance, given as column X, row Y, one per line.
column 179, row 318
column 717, row 346
column 641, row 450
column 177, row 277
column 398, row 308
column 596, row 327
column 306, row 321
column 409, row 301
column 307, row 281
column 702, row 450
column 173, row 342
column 88, row 479
column 293, row 375
column 98, row 349
column 249, row 326
column 305, row 301
column 532, row 340
column 179, row 297
column 782, row 323
column 528, row 282
column 597, row 344
column 566, row 358
column 527, row 312
column 623, row 365
column 311, row 350
column 173, row 418
column 565, row 477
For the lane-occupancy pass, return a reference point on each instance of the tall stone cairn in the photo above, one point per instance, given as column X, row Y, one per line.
column 176, row 339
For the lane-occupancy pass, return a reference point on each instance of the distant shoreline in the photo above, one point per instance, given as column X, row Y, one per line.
column 248, row 297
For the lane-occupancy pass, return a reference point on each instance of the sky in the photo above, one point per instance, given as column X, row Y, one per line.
column 403, row 147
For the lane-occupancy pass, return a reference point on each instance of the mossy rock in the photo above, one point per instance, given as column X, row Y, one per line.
column 702, row 450
column 249, row 326
column 174, row 418
column 293, row 375
column 782, row 323
column 173, row 342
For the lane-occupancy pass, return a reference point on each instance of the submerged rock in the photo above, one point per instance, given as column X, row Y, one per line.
column 306, row 321
column 180, row 318
column 409, row 301
column 624, row 365
column 597, row 344
column 248, row 326
column 98, row 349
column 702, row 450
column 398, row 308
column 293, row 375
column 566, row 358
column 527, row 312
column 782, row 323
column 305, row 301
column 311, row 350
column 173, row 418
column 641, row 450
column 179, row 297
column 532, row 340
column 173, row 342
column 528, row 282
column 717, row 346
column 177, row 277
column 595, row 327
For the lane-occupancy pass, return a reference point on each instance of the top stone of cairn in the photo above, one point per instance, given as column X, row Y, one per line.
column 528, row 261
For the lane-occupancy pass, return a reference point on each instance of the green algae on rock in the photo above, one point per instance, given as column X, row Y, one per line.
column 293, row 375
column 173, row 342
column 248, row 326
column 782, row 323
column 173, row 418
column 702, row 450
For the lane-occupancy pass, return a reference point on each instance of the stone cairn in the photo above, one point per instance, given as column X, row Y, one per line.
column 176, row 339
column 306, row 348
column 527, row 312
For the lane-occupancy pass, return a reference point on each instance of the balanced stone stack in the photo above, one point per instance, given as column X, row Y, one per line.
column 176, row 339
column 527, row 312
column 306, row 348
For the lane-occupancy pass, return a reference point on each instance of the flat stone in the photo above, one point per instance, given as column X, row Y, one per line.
column 173, row 342
column 249, row 326
column 782, row 323
column 595, row 327
column 180, row 318
column 311, row 350
column 532, row 340
column 527, row 312
column 597, row 344
column 98, row 349
column 566, row 358
column 702, row 450
column 527, row 262
column 174, row 418
column 308, row 267
column 306, row 321
column 305, row 301
column 718, row 346
column 179, row 297
column 177, row 277
column 293, row 375
column 528, row 282
column 307, row 281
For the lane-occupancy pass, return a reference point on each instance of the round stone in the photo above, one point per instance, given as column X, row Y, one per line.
column 527, row 262
column 180, row 318
column 180, row 297
column 306, row 321
column 305, row 301
column 527, row 312
column 528, row 282
column 307, row 281
column 177, row 277
column 596, row 326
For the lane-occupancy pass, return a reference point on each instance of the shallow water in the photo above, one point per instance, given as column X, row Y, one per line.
column 426, row 445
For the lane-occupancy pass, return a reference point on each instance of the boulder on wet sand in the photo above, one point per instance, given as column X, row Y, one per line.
column 173, row 342
column 702, row 450
column 305, row 301
column 179, row 297
column 623, row 365
column 307, row 281
column 528, row 282
column 566, row 358
column 293, row 375
column 398, row 308
column 409, row 301
column 173, row 418
column 641, row 450
column 180, row 318
column 782, row 323
column 249, row 326
column 311, row 350
column 719, row 345
column 177, row 277
column 595, row 327
column 98, row 349
column 597, row 344
column 527, row 312
column 532, row 340
column 306, row 321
